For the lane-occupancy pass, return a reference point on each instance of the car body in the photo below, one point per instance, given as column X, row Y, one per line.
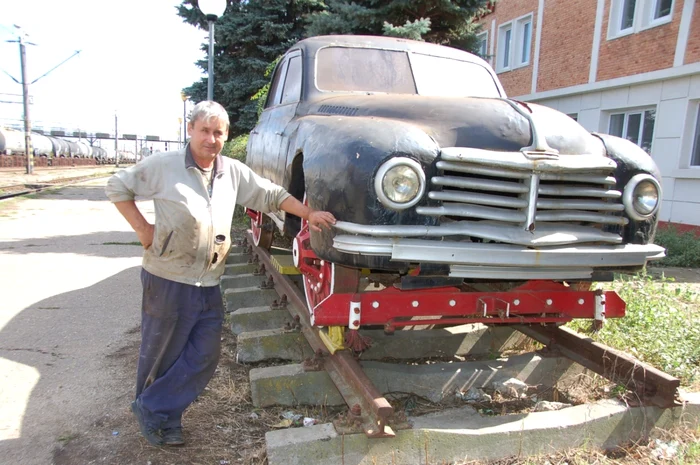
column 509, row 190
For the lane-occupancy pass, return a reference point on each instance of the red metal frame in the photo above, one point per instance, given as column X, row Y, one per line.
column 533, row 302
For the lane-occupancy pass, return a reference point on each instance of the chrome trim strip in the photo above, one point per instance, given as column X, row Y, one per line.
column 478, row 199
column 531, row 209
column 501, row 255
column 483, row 184
column 484, row 171
column 575, row 191
column 564, row 215
column 473, row 211
column 519, row 272
column 544, row 235
column 519, row 161
column 563, row 204
column 415, row 250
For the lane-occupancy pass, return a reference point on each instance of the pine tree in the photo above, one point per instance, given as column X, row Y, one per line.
column 248, row 37
column 446, row 22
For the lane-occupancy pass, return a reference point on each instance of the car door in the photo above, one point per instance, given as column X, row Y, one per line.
column 263, row 140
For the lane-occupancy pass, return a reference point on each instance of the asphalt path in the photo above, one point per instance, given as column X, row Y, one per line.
column 69, row 301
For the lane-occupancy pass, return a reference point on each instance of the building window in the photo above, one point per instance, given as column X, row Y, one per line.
column 573, row 116
column 695, row 156
column 636, row 126
column 482, row 41
column 630, row 16
column 514, row 44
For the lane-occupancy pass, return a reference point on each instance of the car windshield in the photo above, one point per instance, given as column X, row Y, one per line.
column 349, row 69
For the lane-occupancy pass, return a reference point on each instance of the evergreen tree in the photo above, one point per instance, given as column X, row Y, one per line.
column 446, row 22
column 248, row 37
column 252, row 34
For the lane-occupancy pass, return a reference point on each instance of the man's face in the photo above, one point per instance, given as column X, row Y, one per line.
column 207, row 138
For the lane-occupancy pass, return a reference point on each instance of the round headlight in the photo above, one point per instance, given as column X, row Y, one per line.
column 642, row 196
column 400, row 183
column 645, row 198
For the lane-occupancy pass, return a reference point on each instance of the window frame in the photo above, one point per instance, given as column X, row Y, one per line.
column 515, row 47
column 694, row 159
column 625, row 124
column 642, row 19
column 286, row 77
column 483, row 38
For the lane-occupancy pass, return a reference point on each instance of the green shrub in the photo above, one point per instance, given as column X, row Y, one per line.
column 660, row 326
column 236, row 148
column 682, row 249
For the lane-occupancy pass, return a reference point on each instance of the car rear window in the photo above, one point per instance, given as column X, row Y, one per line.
column 445, row 77
column 364, row 69
column 354, row 69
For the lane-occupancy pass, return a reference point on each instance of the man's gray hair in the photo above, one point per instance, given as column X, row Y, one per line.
column 208, row 110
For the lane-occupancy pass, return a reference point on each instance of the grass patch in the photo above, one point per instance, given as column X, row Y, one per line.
column 67, row 437
column 122, row 243
column 660, row 326
column 682, row 249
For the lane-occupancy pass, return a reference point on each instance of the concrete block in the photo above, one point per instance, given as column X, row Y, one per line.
column 240, row 268
column 436, row 382
column 249, row 297
column 290, row 385
column 237, row 258
column 258, row 318
column 440, row 381
column 462, row 435
column 459, row 340
column 241, row 280
column 272, row 344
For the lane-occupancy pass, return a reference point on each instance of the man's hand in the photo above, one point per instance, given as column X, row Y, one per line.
column 320, row 219
column 144, row 230
column 145, row 234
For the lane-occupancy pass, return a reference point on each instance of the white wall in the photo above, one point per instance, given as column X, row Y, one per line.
column 676, row 101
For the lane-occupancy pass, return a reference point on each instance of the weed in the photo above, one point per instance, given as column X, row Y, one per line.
column 682, row 249
column 659, row 327
column 67, row 437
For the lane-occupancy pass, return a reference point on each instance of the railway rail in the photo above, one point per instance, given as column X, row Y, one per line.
column 24, row 188
column 370, row 409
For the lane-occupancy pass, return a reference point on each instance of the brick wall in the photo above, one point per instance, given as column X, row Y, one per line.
column 692, row 51
column 565, row 50
column 517, row 81
column 645, row 51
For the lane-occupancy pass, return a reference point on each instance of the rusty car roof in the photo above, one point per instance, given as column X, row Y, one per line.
column 313, row 44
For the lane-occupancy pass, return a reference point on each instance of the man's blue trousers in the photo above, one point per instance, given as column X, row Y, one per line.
column 180, row 345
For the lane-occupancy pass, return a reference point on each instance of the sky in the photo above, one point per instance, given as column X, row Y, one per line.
column 136, row 56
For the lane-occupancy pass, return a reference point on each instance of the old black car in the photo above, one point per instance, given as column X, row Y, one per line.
column 440, row 182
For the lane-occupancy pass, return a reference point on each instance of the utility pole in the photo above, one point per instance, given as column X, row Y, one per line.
column 28, row 149
column 116, row 142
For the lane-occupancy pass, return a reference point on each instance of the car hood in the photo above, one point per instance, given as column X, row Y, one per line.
column 487, row 123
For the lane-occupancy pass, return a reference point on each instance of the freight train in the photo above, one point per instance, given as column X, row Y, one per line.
column 49, row 148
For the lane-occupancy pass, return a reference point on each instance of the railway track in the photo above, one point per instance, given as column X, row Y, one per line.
column 368, row 410
column 18, row 189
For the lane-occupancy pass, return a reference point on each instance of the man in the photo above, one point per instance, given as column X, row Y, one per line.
column 194, row 192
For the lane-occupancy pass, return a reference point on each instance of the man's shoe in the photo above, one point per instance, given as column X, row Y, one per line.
column 151, row 434
column 173, row 436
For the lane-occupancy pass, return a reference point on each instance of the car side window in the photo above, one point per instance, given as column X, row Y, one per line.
column 275, row 93
column 292, row 85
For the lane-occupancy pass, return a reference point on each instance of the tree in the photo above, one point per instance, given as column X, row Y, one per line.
column 446, row 22
column 248, row 37
column 252, row 34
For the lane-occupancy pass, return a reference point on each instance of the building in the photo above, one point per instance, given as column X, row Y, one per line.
column 625, row 67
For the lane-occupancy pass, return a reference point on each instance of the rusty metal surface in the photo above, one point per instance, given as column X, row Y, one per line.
column 352, row 383
column 651, row 385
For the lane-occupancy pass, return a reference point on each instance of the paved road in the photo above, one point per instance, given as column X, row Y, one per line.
column 69, row 301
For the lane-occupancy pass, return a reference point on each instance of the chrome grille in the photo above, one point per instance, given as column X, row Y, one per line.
column 474, row 184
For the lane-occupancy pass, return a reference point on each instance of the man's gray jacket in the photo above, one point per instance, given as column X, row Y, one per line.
column 192, row 229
